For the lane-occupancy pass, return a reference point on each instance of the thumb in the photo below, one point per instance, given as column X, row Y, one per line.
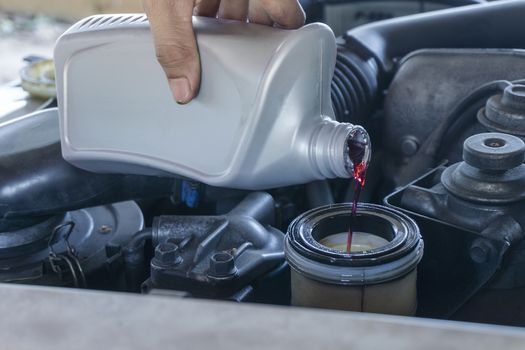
column 175, row 45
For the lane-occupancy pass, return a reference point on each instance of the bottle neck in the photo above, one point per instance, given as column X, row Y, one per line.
column 330, row 153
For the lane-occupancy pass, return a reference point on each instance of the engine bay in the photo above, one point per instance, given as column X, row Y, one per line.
column 442, row 97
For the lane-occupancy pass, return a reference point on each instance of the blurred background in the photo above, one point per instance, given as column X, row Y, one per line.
column 31, row 27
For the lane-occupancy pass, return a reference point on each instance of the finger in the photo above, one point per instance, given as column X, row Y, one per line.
column 206, row 8
column 285, row 13
column 175, row 45
column 257, row 14
column 234, row 9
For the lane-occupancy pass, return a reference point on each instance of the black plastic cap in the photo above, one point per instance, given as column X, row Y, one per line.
column 494, row 151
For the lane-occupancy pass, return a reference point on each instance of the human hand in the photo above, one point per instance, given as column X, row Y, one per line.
column 175, row 45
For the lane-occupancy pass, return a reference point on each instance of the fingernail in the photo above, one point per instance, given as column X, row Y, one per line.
column 180, row 87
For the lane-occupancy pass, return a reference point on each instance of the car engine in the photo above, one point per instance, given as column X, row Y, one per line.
column 442, row 97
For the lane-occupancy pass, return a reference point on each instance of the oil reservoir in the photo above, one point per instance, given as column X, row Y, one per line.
column 378, row 274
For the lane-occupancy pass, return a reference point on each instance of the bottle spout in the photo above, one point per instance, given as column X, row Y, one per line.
column 340, row 149
column 358, row 150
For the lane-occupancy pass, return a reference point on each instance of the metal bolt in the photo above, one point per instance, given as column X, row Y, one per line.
column 167, row 254
column 481, row 251
column 222, row 264
column 409, row 146
column 105, row 229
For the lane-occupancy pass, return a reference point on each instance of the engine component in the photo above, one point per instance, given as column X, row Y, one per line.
column 381, row 277
column 505, row 112
column 354, row 86
column 70, row 249
column 38, row 78
column 431, row 105
column 474, row 210
column 260, row 123
column 16, row 102
column 493, row 170
column 378, row 47
column 35, row 181
column 470, row 214
column 342, row 15
column 463, row 27
column 235, row 256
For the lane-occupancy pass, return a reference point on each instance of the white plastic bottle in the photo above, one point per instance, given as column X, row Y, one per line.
column 262, row 118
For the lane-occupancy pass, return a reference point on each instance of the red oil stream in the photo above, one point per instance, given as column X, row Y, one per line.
column 359, row 177
column 356, row 151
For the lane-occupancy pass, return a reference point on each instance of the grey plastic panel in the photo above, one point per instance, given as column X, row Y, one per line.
column 107, row 320
column 30, row 131
column 263, row 95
